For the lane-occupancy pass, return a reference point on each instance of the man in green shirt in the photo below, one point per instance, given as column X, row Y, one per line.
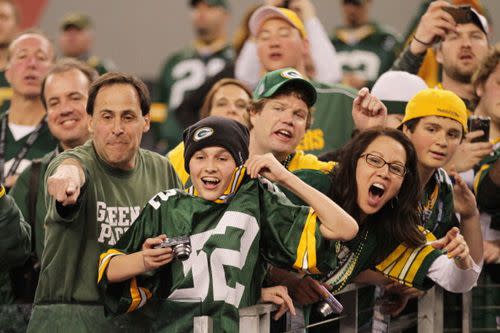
column 94, row 194
column 365, row 48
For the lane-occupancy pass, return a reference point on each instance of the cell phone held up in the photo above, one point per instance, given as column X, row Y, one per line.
column 461, row 14
column 475, row 123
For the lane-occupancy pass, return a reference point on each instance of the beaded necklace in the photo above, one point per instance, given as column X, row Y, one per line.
column 288, row 159
column 343, row 273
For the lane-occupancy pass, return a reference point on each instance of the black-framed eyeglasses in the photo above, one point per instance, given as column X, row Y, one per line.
column 378, row 162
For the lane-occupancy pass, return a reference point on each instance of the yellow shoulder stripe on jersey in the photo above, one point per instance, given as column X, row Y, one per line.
column 139, row 295
column 403, row 263
column 2, row 190
column 104, row 259
column 306, row 251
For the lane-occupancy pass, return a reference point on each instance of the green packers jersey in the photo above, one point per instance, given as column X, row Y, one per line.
column 186, row 71
column 231, row 239
column 5, row 93
column 367, row 51
column 108, row 204
column 332, row 119
column 182, row 73
column 436, row 206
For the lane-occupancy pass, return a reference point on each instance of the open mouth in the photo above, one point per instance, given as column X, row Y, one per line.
column 210, row 182
column 438, row 155
column 376, row 190
column 30, row 78
column 284, row 134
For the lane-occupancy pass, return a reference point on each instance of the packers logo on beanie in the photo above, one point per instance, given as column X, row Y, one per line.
column 216, row 131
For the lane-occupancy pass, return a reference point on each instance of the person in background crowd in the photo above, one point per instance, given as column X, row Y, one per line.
column 280, row 40
column 395, row 89
column 75, row 41
column 188, row 69
column 24, row 134
column 322, row 62
column 9, row 27
column 365, row 49
column 94, row 193
column 64, row 95
column 460, row 42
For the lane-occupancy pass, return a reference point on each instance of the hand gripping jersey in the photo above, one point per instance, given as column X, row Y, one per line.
column 230, row 238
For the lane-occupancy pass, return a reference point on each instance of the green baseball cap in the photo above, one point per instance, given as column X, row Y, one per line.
column 77, row 20
column 220, row 3
column 273, row 81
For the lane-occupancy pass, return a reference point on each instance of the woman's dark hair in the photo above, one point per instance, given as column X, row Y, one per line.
column 397, row 222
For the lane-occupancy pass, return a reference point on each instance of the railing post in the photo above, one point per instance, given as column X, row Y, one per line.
column 203, row 324
column 257, row 318
column 430, row 311
column 349, row 299
column 466, row 312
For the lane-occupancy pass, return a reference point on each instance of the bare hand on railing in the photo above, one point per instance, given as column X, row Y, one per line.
column 278, row 295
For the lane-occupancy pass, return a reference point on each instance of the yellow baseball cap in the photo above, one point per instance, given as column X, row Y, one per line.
column 436, row 102
column 264, row 13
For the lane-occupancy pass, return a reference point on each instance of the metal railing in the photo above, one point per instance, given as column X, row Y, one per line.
column 429, row 318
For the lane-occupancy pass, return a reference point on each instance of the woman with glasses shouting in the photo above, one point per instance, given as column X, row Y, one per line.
column 376, row 181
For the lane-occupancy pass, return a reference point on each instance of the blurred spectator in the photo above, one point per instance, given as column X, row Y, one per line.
column 279, row 35
column 430, row 70
column 365, row 48
column 76, row 38
column 322, row 62
column 460, row 43
column 188, row 69
column 9, row 26
column 24, row 134
column 395, row 89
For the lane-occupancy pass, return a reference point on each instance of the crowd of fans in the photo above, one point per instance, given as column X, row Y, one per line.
column 295, row 163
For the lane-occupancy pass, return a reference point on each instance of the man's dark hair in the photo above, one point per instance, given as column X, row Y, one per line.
column 66, row 65
column 113, row 78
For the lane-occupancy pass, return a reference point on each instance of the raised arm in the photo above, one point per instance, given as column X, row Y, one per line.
column 336, row 224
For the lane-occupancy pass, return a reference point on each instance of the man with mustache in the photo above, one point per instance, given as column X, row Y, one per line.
column 94, row 194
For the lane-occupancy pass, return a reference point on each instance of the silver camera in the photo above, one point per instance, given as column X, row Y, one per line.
column 329, row 304
column 181, row 246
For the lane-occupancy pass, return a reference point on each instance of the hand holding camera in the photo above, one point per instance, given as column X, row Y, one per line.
column 160, row 250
